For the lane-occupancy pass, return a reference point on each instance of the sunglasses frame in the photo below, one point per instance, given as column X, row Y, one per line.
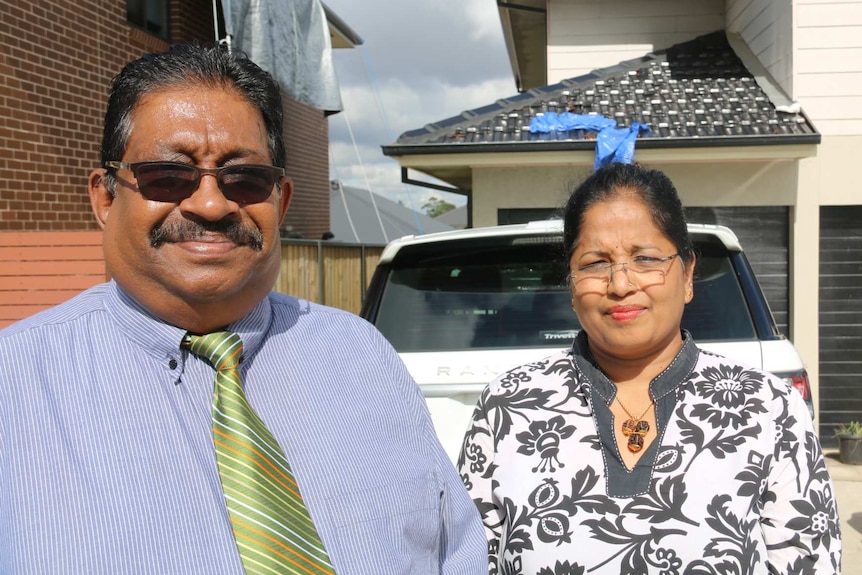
column 199, row 172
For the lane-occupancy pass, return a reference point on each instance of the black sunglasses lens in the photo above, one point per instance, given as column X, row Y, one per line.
column 166, row 182
column 247, row 184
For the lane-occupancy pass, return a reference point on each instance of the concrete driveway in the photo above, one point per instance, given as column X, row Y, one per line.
column 848, row 489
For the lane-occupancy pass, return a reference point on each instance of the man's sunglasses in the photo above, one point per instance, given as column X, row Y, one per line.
column 174, row 182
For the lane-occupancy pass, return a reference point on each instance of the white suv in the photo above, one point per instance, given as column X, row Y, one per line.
column 462, row 307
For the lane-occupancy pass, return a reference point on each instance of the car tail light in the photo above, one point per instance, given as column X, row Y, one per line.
column 800, row 383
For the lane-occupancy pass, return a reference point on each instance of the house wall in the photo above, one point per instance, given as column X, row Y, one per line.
column 827, row 81
column 828, row 64
column 504, row 187
column 191, row 20
column 585, row 34
column 760, row 183
column 835, row 171
column 767, row 28
column 306, row 142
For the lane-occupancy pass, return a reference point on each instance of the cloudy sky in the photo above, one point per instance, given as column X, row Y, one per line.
column 422, row 61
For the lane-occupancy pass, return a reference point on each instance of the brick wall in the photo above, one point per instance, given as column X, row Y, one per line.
column 52, row 76
column 57, row 58
column 306, row 140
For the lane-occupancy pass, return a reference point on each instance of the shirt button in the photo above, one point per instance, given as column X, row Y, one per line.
column 172, row 364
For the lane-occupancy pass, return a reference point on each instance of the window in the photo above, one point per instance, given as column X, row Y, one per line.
column 495, row 293
column 511, row 292
column 150, row 15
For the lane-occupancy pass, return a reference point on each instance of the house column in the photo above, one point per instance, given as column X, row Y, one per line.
column 805, row 271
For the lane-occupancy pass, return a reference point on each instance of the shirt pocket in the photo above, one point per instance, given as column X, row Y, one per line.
column 394, row 527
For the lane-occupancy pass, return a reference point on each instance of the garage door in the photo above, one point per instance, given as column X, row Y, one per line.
column 764, row 235
column 840, row 318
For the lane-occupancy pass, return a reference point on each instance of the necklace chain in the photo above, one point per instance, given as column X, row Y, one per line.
column 629, row 413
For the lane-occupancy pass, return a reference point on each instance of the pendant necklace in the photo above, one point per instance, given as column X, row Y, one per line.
column 635, row 428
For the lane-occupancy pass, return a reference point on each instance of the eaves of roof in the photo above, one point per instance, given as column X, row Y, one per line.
column 343, row 35
column 525, row 24
column 694, row 94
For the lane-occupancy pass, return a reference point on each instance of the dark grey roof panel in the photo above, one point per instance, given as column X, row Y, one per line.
column 697, row 93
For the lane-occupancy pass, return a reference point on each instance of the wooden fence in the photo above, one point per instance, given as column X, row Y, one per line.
column 41, row 269
column 330, row 273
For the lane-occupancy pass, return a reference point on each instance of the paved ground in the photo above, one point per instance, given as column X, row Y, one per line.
column 848, row 489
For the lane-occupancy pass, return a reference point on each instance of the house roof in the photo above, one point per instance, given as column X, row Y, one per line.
column 697, row 93
column 356, row 216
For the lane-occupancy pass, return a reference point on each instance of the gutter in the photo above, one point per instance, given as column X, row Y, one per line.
column 576, row 145
column 510, row 6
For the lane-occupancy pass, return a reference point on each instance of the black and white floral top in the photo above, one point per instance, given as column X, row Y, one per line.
column 735, row 482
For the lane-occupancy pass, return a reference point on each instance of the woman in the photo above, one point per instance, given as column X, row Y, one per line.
column 634, row 451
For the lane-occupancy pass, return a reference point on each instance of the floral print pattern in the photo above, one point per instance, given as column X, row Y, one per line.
column 736, row 485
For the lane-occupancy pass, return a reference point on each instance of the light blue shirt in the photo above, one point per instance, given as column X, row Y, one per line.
column 107, row 462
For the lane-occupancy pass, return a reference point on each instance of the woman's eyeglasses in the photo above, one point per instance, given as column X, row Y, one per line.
column 174, row 182
column 640, row 270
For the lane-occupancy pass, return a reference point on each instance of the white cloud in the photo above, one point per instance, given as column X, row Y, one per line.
column 485, row 22
column 399, row 107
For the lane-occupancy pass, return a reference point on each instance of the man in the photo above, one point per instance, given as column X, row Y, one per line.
column 145, row 424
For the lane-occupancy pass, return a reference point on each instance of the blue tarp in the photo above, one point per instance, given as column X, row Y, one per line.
column 612, row 144
column 617, row 145
column 551, row 121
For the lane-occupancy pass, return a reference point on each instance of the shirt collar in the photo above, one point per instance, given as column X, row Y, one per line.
column 162, row 339
column 665, row 382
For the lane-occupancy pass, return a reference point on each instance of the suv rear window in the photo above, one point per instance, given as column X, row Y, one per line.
column 510, row 292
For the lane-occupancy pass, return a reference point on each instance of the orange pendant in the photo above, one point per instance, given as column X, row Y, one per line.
column 635, row 430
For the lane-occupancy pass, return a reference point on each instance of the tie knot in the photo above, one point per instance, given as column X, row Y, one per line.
column 222, row 348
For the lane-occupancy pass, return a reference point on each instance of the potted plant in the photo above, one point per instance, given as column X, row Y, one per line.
column 850, row 442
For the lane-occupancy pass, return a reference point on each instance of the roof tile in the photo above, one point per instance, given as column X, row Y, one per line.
column 697, row 93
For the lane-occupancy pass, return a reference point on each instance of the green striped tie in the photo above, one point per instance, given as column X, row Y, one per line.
column 271, row 525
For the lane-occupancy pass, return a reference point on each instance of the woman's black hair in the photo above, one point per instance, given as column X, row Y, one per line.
column 651, row 187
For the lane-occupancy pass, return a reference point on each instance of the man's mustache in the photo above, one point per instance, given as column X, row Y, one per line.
column 187, row 230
